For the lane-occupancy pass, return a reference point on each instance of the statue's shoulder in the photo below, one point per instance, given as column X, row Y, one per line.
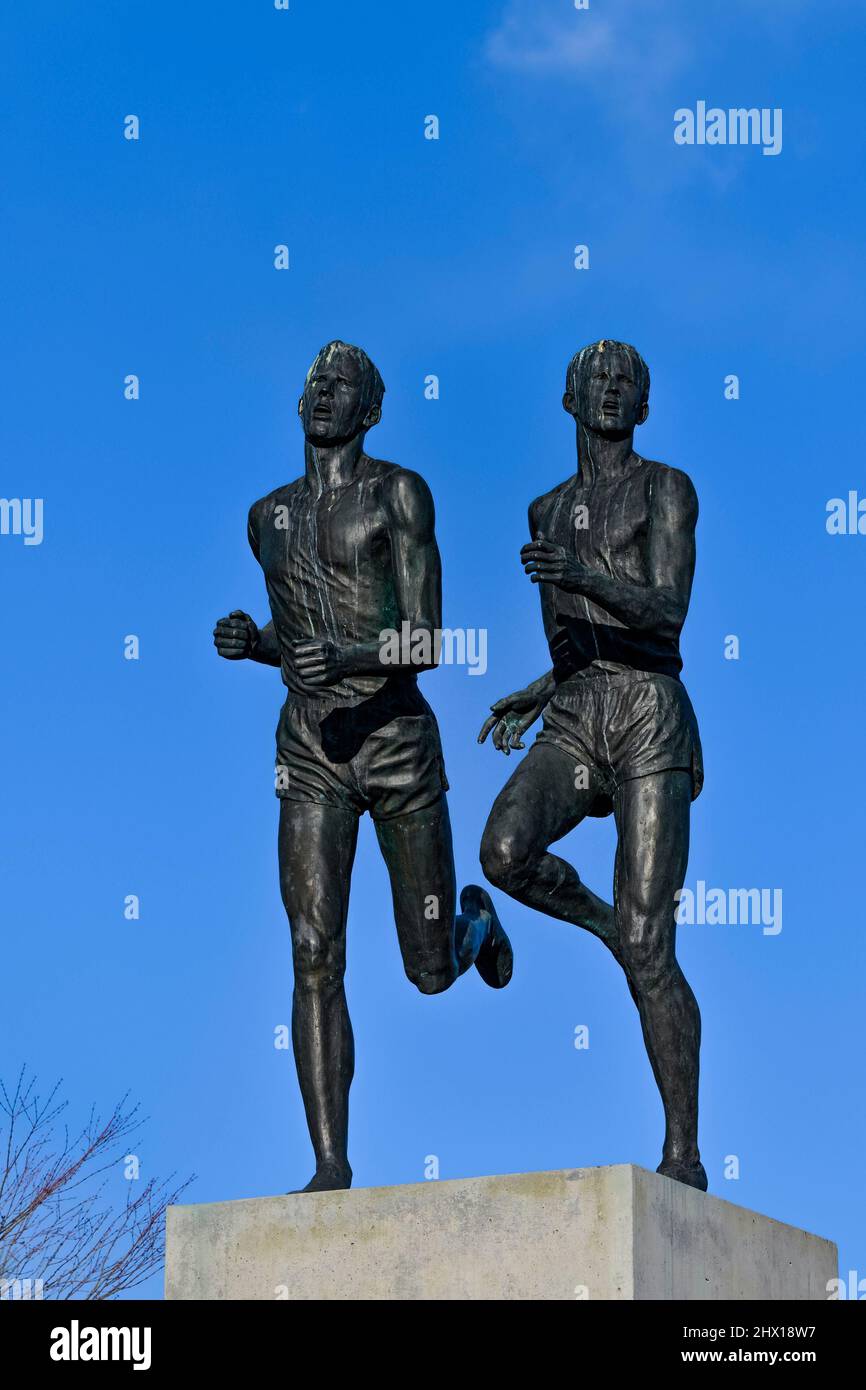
column 403, row 489
column 671, row 488
column 393, row 474
column 542, row 506
column 280, row 496
column 381, row 471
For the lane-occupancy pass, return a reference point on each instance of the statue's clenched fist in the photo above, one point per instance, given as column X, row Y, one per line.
column 236, row 636
column 548, row 563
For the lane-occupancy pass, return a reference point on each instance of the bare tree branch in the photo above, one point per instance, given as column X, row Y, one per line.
column 56, row 1222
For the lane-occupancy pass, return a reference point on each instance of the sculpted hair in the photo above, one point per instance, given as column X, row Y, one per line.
column 374, row 386
column 581, row 360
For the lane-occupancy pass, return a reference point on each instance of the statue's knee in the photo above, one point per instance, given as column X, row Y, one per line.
column 430, row 981
column 646, row 954
column 314, row 955
column 503, row 858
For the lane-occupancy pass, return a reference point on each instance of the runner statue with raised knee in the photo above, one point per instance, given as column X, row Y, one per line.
column 613, row 554
column 350, row 559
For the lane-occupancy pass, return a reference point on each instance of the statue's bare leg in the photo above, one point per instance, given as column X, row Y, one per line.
column 436, row 946
column 540, row 804
column 652, row 817
column 316, row 851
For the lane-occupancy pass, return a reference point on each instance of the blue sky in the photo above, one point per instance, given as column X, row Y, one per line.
column 452, row 257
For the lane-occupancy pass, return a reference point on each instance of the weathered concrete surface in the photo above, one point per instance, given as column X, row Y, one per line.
column 597, row 1233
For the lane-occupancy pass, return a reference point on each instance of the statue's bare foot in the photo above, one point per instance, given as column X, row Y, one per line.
column 495, row 959
column 328, row 1177
column 692, row 1174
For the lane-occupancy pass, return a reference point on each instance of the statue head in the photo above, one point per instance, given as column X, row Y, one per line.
column 607, row 388
column 342, row 395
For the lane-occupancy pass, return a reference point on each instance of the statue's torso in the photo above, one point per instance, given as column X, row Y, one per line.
column 606, row 527
column 326, row 558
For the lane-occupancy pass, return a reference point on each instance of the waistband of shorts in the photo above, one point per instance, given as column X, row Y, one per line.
column 404, row 700
column 593, row 675
column 317, row 704
column 390, row 684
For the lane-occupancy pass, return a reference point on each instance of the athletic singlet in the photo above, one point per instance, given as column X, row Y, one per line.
column 606, row 528
column 329, row 575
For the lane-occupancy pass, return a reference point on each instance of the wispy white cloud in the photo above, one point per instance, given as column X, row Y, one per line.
column 548, row 37
column 533, row 38
column 655, row 38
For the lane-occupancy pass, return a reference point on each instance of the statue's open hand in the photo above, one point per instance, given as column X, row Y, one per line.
column 548, row 563
column 510, row 718
column 235, row 637
column 319, row 663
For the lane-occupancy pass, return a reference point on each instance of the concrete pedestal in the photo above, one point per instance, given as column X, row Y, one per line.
column 584, row 1233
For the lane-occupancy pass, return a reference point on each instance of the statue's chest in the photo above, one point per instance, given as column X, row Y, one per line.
column 345, row 532
column 606, row 521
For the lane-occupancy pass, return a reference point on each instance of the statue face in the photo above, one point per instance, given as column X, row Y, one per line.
column 608, row 399
column 333, row 408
